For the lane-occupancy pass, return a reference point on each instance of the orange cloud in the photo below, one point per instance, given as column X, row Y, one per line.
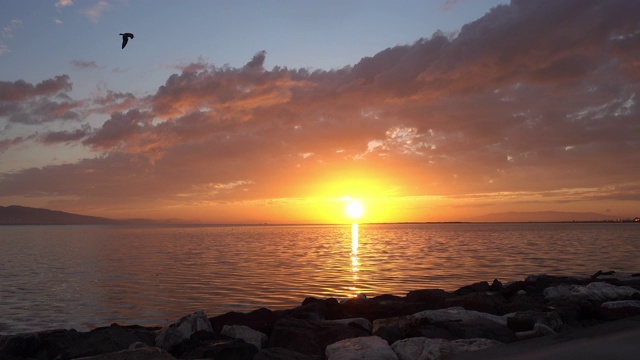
column 533, row 98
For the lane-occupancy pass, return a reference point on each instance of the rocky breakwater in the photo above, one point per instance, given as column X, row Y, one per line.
column 424, row 324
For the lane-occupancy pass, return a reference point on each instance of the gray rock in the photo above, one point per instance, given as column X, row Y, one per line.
column 250, row 336
column 451, row 323
column 182, row 329
column 616, row 310
column 369, row 347
column 595, row 291
column 421, row 348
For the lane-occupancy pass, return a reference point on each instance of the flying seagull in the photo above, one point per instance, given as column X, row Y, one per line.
column 125, row 38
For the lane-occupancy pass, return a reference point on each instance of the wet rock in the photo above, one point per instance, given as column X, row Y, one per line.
column 182, row 329
column 595, row 292
column 250, row 336
column 421, row 348
column 311, row 337
column 370, row 348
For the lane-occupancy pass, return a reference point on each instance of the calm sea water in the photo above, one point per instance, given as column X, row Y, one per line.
column 86, row 276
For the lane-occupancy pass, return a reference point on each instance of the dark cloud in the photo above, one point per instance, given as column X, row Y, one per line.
column 55, row 137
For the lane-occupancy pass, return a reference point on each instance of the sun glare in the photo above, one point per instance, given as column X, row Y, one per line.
column 354, row 209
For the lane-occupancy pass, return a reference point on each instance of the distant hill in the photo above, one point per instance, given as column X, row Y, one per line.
column 20, row 215
column 543, row 216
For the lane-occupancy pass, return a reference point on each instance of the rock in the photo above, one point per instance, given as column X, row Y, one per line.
column 479, row 286
column 143, row 353
column 283, row 354
column 512, row 288
column 182, row 329
column 451, row 323
column 478, row 328
column 421, row 348
column 525, row 321
column 458, row 314
column 204, row 344
column 483, row 301
column 538, row 330
column 358, row 322
column 69, row 344
column 432, row 298
column 616, row 310
column 311, row 337
column 370, row 348
column 250, row 336
column 496, row 285
column 261, row 320
column 595, row 291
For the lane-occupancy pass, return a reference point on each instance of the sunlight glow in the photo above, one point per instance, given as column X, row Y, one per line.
column 354, row 209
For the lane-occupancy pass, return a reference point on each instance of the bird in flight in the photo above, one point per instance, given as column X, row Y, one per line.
column 125, row 38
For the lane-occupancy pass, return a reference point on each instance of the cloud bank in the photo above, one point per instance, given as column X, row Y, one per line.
column 534, row 97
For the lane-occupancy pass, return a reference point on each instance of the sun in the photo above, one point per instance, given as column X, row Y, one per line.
column 354, row 209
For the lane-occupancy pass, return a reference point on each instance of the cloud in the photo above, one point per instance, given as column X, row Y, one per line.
column 95, row 12
column 533, row 98
column 7, row 30
column 55, row 137
column 25, row 103
column 84, row 64
column 63, row 3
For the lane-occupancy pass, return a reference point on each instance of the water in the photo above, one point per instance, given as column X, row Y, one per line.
column 81, row 277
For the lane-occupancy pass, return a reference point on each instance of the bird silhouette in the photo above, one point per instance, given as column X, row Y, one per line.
column 125, row 38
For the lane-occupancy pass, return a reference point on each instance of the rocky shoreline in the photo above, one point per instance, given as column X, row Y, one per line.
column 423, row 324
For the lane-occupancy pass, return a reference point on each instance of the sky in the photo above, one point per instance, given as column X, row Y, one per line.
column 285, row 111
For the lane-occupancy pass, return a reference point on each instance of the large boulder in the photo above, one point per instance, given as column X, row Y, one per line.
column 616, row 310
column 369, row 347
column 430, row 298
column 451, row 323
column 421, row 348
column 250, row 336
column 311, row 337
column 205, row 344
column 594, row 292
column 261, row 320
column 182, row 330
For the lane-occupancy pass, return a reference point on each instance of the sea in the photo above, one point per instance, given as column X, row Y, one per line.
column 83, row 277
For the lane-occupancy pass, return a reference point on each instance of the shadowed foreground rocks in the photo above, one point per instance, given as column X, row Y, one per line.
column 424, row 324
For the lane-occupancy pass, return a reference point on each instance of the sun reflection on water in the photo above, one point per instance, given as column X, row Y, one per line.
column 355, row 261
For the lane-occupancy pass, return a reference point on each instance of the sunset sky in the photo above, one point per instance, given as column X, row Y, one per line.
column 285, row 111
